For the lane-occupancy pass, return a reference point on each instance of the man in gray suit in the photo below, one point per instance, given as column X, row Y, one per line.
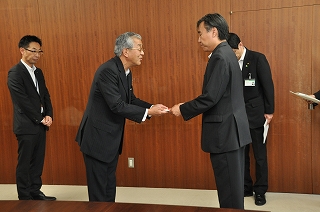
column 225, row 128
column 111, row 102
column 258, row 92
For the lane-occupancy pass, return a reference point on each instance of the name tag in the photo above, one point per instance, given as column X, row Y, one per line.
column 250, row 82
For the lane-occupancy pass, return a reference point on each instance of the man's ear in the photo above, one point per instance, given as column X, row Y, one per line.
column 125, row 52
column 214, row 32
column 22, row 50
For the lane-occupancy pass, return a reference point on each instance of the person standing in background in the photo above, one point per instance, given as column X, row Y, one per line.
column 111, row 101
column 258, row 92
column 33, row 114
column 225, row 127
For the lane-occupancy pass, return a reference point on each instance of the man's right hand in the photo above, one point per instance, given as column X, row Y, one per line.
column 157, row 110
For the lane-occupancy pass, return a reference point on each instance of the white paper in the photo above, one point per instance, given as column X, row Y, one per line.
column 306, row 97
column 265, row 131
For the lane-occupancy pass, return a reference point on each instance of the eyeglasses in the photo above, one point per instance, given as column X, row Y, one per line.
column 139, row 49
column 35, row 51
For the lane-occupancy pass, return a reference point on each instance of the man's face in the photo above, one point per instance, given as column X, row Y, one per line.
column 239, row 51
column 205, row 38
column 136, row 53
column 30, row 57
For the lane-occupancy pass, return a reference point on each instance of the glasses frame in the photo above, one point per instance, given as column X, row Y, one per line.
column 40, row 52
column 139, row 49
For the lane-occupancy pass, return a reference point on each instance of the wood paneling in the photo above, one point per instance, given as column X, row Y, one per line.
column 57, row 206
column 255, row 5
column 315, row 80
column 280, row 35
column 78, row 36
column 17, row 20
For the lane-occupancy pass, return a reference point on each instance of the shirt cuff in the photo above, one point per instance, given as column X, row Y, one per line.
column 145, row 115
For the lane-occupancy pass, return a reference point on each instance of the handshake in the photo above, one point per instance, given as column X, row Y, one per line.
column 160, row 109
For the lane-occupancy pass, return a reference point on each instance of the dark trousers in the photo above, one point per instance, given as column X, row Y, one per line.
column 31, row 152
column 260, row 154
column 228, row 170
column 101, row 179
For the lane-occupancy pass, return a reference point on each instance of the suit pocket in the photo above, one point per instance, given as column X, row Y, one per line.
column 105, row 126
column 256, row 102
column 213, row 118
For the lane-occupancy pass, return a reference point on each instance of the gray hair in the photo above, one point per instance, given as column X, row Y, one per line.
column 124, row 41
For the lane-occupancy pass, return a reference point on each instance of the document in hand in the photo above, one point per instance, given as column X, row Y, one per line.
column 265, row 131
column 306, row 97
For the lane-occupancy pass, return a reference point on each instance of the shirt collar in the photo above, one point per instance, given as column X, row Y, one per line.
column 33, row 68
column 127, row 72
column 243, row 54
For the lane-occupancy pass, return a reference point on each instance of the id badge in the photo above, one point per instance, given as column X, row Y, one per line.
column 249, row 82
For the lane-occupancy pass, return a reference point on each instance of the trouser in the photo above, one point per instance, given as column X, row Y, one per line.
column 228, row 170
column 31, row 152
column 101, row 179
column 260, row 154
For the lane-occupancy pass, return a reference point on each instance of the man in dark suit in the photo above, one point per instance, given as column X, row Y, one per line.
column 32, row 117
column 111, row 102
column 225, row 128
column 258, row 94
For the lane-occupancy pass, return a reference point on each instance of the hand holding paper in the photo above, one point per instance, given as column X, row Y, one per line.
column 265, row 131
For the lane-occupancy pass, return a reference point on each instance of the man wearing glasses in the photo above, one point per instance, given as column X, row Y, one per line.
column 111, row 102
column 33, row 115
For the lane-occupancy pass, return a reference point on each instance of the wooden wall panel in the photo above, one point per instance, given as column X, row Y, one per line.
column 315, row 80
column 79, row 36
column 278, row 34
column 172, row 72
column 17, row 19
column 238, row 6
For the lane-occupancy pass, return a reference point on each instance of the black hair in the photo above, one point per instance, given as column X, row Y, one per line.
column 27, row 39
column 217, row 21
column 233, row 40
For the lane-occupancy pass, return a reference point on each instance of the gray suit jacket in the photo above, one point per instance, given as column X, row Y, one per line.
column 111, row 101
column 224, row 122
column 27, row 101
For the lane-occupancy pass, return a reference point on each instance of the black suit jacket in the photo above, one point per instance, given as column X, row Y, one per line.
column 224, row 122
column 27, row 101
column 259, row 99
column 111, row 101
column 317, row 95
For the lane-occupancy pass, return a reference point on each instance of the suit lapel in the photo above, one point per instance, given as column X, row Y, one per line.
column 246, row 65
column 123, row 77
column 129, row 81
column 36, row 73
column 27, row 75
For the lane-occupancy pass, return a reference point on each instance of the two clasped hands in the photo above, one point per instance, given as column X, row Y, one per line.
column 160, row 109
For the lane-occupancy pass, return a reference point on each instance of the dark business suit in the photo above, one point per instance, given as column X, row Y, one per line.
column 30, row 132
column 100, row 135
column 317, row 95
column 225, row 128
column 259, row 100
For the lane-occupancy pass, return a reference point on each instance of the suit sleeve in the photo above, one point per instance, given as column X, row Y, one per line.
column 215, row 83
column 48, row 110
column 317, row 94
column 21, row 98
column 108, row 84
column 265, row 78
